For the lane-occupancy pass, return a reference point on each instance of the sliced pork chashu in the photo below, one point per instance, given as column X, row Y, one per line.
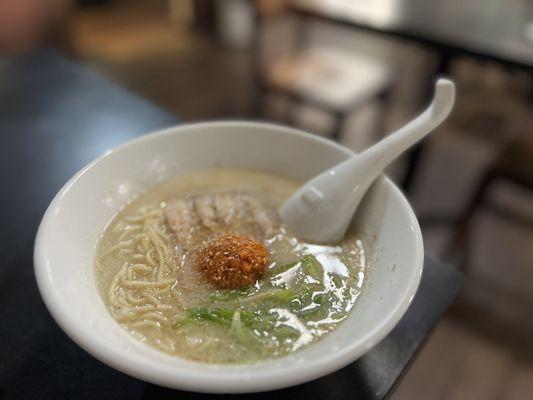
column 196, row 217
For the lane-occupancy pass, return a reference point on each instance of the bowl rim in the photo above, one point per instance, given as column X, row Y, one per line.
column 215, row 380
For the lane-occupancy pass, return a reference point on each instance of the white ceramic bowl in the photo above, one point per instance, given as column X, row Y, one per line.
column 74, row 220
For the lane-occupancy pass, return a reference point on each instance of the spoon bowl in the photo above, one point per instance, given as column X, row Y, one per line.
column 74, row 221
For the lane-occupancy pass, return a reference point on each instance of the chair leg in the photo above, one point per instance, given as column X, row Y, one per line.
column 414, row 157
column 383, row 100
column 258, row 101
column 340, row 119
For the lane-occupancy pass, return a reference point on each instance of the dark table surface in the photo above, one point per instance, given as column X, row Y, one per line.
column 501, row 30
column 55, row 117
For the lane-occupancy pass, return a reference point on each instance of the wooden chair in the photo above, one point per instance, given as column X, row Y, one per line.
column 334, row 80
column 514, row 167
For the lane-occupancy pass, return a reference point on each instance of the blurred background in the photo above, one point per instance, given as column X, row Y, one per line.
column 354, row 71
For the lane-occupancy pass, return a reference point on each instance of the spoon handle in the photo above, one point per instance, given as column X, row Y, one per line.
column 386, row 150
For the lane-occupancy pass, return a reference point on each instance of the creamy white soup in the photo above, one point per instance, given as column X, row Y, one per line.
column 201, row 267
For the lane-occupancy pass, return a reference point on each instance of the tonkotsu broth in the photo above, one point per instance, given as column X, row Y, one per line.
column 154, row 289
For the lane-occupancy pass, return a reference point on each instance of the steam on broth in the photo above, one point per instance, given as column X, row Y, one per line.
column 166, row 277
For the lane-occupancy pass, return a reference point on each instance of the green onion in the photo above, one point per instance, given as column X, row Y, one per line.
column 278, row 295
column 279, row 269
column 234, row 294
column 312, row 267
